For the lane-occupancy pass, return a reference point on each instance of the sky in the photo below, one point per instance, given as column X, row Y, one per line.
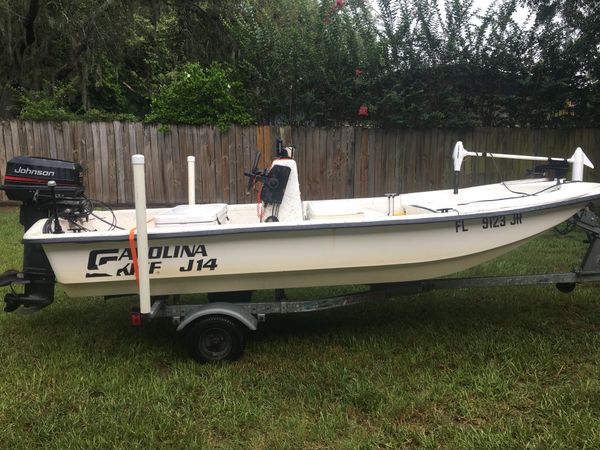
column 520, row 15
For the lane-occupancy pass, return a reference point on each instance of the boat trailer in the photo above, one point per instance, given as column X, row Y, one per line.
column 217, row 331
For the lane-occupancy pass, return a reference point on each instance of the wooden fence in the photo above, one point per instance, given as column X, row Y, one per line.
column 333, row 162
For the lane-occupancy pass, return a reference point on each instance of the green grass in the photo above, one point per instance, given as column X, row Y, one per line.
column 477, row 368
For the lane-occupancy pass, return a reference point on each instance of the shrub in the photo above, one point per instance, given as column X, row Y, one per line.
column 195, row 95
column 38, row 105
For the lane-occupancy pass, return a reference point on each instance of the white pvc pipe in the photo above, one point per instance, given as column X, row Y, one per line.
column 191, row 180
column 139, row 190
column 579, row 160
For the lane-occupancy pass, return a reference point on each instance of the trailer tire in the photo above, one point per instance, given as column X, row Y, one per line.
column 215, row 338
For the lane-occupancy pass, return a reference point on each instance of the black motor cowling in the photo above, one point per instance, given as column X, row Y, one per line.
column 27, row 180
column 27, row 177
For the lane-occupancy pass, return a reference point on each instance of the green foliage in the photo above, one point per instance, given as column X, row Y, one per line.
column 39, row 106
column 298, row 58
column 420, row 64
column 196, row 95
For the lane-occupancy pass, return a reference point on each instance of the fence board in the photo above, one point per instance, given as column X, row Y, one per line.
column 5, row 143
column 147, row 152
column 82, row 143
column 57, row 131
column 214, row 173
column 177, row 167
column 248, row 142
column 239, row 163
column 307, row 188
column 14, row 132
column 111, row 176
column 231, row 157
column 29, row 137
column 96, row 159
column 217, row 166
column 119, row 164
column 66, row 152
column 126, row 175
column 159, row 148
column 222, row 155
column 155, row 166
column 202, row 163
column 362, row 162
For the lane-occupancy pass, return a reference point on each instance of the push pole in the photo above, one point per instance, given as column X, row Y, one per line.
column 139, row 189
column 191, row 180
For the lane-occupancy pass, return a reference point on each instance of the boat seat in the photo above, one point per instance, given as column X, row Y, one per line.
column 333, row 209
column 211, row 213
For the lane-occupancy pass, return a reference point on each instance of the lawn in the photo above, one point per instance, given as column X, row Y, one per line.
column 477, row 368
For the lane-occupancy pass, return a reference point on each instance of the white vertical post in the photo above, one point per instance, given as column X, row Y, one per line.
column 578, row 162
column 191, row 180
column 139, row 189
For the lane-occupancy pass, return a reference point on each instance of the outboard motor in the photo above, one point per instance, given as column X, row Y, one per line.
column 47, row 188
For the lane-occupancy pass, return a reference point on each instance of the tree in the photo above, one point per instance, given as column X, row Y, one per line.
column 298, row 57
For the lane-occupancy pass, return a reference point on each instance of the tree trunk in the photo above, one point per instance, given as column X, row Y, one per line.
column 85, row 98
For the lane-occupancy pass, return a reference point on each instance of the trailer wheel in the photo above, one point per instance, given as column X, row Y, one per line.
column 215, row 338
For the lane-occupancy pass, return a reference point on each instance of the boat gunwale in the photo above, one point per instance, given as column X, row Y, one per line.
column 306, row 225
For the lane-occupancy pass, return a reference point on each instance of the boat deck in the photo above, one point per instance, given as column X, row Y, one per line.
column 423, row 205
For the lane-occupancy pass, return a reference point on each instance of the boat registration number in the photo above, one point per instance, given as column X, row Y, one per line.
column 491, row 222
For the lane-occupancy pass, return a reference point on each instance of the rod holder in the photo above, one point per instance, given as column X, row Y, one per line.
column 139, row 190
column 191, row 160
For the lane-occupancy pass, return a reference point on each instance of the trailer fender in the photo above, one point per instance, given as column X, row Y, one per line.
column 221, row 309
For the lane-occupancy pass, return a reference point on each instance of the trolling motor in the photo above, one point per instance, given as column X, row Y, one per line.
column 47, row 189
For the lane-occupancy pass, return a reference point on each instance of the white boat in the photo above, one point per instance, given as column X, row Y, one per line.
column 391, row 238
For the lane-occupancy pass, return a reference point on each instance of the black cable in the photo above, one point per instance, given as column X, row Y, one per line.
column 112, row 224
column 75, row 214
column 524, row 194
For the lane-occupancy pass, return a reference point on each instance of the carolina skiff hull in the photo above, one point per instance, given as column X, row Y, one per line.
column 278, row 255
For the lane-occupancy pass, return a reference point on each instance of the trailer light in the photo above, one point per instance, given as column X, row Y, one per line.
column 136, row 318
